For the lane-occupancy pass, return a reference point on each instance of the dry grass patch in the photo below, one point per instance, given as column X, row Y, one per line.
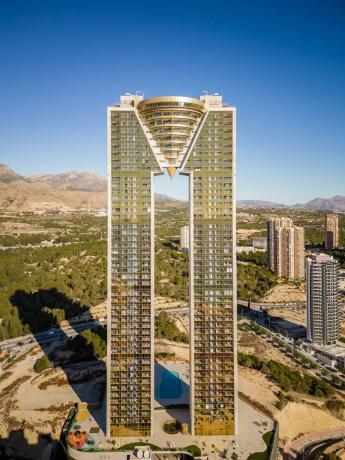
column 14, row 386
column 5, row 375
column 58, row 409
column 55, row 381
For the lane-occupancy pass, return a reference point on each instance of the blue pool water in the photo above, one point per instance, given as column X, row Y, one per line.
column 170, row 387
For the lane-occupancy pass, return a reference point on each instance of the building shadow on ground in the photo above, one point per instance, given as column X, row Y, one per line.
column 43, row 310
column 16, row 447
column 277, row 324
column 171, row 389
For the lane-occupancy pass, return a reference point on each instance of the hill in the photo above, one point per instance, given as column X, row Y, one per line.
column 22, row 196
column 73, row 191
column 260, row 204
column 73, row 180
column 335, row 203
column 8, row 175
column 65, row 192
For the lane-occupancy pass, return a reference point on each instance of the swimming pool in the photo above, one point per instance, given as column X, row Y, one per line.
column 170, row 386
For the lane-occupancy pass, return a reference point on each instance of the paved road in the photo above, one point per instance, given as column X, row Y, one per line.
column 49, row 336
column 52, row 334
column 313, row 451
column 70, row 330
column 260, row 320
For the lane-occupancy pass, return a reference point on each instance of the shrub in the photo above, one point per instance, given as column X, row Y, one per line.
column 166, row 328
column 42, row 364
column 335, row 406
column 194, row 450
column 286, row 377
column 172, row 427
column 88, row 345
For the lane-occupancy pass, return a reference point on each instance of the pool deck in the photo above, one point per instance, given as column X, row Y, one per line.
column 178, row 368
column 252, row 425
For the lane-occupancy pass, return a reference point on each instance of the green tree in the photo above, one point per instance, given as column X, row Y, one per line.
column 42, row 364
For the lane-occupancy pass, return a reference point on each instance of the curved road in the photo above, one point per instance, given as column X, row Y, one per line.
column 313, row 451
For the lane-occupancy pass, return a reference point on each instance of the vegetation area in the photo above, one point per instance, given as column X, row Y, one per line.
column 286, row 377
column 192, row 449
column 165, row 328
column 268, row 438
column 42, row 286
column 339, row 254
column 88, row 345
column 25, row 239
column 171, row 270
column 283, row 399
column 336, row 407
column 42, row 364
column 296, row 355
column 254, row 281
column 164, row 355
column 257, row 258
column 39, row 287
column 172, row 427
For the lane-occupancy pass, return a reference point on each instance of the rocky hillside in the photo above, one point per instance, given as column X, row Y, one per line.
column 51, row 192
column 260, row 204
column 66, row 192
column 336, row 203
column 8, row 175
column 73, row 180
column 22, row 196
column 74, row 191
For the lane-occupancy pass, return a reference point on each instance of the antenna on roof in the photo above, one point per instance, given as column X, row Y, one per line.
column 204, row 92
column 139, row 93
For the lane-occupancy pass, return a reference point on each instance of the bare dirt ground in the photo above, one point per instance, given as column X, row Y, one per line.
column 164, row 303
column 181, row 350
column 243, row 233
column 11, row 228
column 286, row 293
column 23, row 196
column 30, row 404
column 297, row 419
column 293, row 314
column 252, row 344
column 257, row 388
column 305, row 415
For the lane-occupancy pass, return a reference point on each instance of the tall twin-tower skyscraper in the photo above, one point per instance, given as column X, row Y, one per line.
column 197, row 137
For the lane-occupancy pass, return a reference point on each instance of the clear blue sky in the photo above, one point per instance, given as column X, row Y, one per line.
column 282, row 63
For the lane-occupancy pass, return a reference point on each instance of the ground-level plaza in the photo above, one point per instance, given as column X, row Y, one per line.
column 86, row 428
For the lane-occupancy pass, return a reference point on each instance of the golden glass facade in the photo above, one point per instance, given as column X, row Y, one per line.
column 211, row 165
column 197, row 136
column 131, row 301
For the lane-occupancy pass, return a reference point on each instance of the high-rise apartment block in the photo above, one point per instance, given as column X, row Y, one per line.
column 323, row 311
column 184, row 238
column 332, row 232
column 285, row 248
column 146, row 136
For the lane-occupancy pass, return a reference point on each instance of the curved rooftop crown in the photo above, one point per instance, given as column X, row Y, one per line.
column 171, row 121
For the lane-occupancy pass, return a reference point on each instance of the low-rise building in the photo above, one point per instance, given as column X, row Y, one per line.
column 259, row 242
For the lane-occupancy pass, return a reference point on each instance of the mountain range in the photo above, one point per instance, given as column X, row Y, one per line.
column 335, row 203
column 65, row 192
column 74, row 190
